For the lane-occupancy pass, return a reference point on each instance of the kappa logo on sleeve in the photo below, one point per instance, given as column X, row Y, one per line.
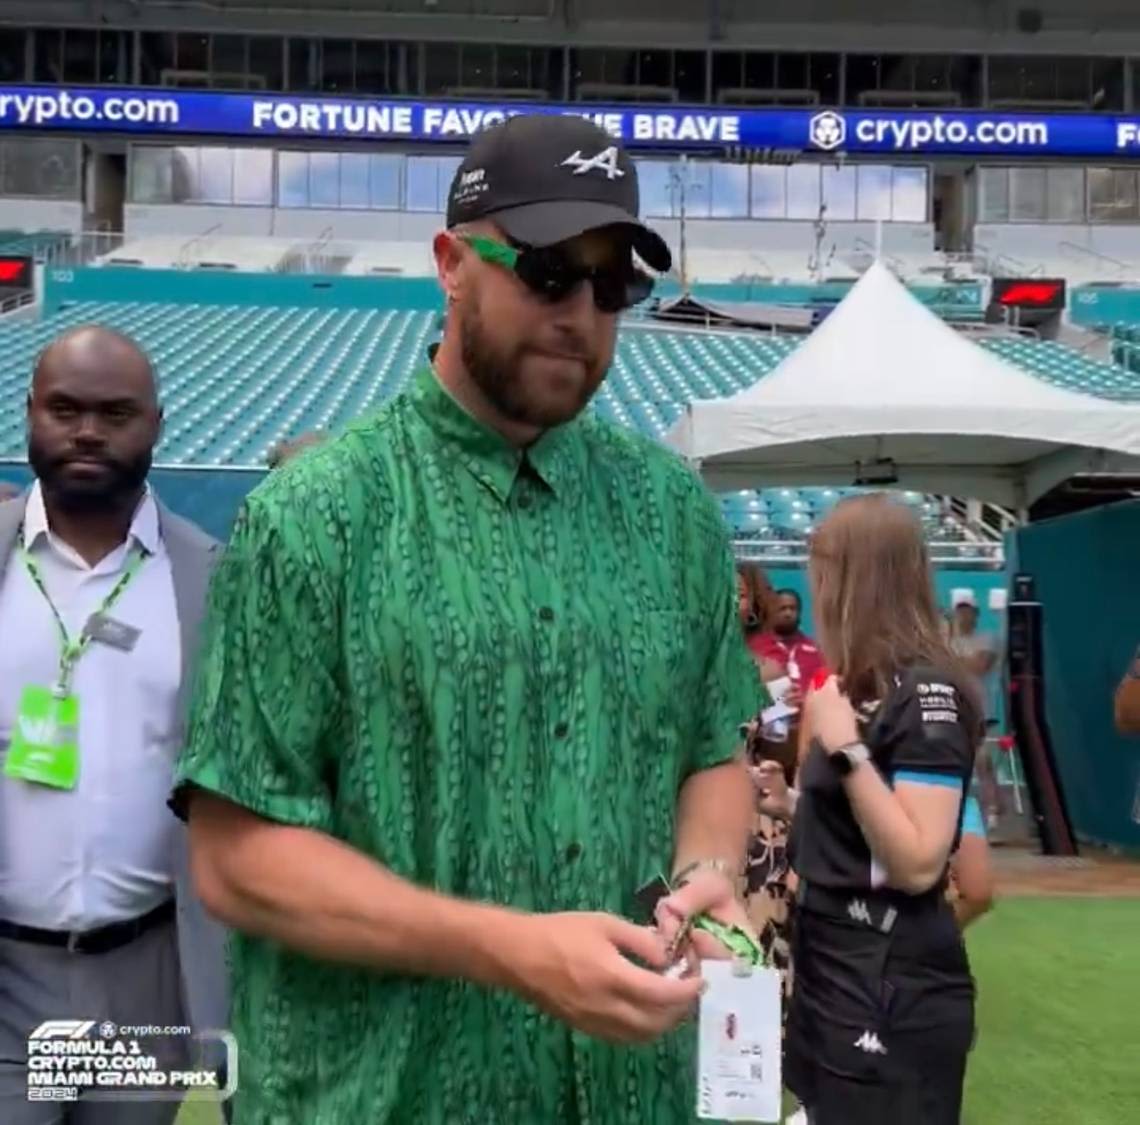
column 937, row 702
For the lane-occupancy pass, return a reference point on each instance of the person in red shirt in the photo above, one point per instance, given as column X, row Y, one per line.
column 784, row 644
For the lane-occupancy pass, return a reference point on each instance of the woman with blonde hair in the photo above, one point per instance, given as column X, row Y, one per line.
column 882, row 1014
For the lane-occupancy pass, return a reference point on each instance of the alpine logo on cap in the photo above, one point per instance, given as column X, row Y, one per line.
column 469, row 186
column 605, row 161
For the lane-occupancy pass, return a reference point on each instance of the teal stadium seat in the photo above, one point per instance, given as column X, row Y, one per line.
column 236, row 380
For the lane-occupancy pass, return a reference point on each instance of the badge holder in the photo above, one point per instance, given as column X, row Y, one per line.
column 740, row 1032
column 740, row 1041
column 44, row 748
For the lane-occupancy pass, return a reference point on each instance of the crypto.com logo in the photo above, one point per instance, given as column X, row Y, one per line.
column 827, row 130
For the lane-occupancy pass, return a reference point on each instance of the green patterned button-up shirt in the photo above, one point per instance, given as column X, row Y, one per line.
column 492, row 673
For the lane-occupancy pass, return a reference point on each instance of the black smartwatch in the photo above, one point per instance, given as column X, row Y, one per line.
column 846, row 758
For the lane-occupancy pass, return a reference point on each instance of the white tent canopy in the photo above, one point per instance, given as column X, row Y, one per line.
column 884, row 382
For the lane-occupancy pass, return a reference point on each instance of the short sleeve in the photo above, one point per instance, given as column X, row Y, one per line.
column 264, row 692
column 730, row 693
column 972, row 822
column 929, row 728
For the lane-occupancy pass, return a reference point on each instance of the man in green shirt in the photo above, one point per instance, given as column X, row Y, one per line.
column 474, row 675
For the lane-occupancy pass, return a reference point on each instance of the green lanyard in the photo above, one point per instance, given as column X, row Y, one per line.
column 738, row 942
column 72, row 650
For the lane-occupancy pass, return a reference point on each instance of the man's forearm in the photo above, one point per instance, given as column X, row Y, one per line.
column 714, row 815
column 323, row 898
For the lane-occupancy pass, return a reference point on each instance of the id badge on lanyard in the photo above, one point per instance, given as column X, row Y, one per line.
column 739, row 1043
column 44, row 749
column 45, row 746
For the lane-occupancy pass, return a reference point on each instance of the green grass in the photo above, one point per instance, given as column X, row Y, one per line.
column 200, row 1114
column 1058, row 1016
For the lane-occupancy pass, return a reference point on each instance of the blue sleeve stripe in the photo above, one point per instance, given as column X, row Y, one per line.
column 972, row 823
column 915, row 777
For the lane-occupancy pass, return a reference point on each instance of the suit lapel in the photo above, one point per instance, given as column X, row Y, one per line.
column 11, row 516
column 190, row 569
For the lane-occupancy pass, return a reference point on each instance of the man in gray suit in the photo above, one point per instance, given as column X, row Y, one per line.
column 102, row 592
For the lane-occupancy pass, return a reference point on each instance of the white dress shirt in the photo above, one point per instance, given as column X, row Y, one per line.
column 103, row 851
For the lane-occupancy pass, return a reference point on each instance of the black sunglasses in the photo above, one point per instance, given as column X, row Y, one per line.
column 549, row 273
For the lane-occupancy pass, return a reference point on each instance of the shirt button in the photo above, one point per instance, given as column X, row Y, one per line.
column 573, row 851
column 561, row 730
column 524, row 501
column 546, row 613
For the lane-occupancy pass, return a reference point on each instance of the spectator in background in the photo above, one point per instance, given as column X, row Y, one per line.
column 978, row 650
column 8, row 491
column 1127, row 709
column 756, row 604
column 979, row 653
column 784, row 646
column 767, row 882
column 772, row 765
column 783, row 642
column 98, row 919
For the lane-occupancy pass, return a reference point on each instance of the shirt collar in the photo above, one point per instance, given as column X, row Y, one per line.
column 144, row 526
column 792, row 640
column 556, row 458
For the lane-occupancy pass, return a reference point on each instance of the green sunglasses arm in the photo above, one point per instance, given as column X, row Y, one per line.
column 495, row 253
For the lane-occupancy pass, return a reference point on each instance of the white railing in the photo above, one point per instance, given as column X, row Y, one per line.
column 317, row 254
column 193, row 246
column 865, row 247
column 980, row 519
column 997, row 262
column 1075, row 251
column 83, row 247
column 794, row 552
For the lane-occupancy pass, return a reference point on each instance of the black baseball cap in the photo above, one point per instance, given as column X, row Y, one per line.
column 545, row 178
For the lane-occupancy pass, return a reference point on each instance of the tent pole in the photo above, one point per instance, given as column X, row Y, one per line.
column 1022, row 503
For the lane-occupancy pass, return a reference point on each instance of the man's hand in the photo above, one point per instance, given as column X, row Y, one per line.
column 707, row 892
column 574, row 967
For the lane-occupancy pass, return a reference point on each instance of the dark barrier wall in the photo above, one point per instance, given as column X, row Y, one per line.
column 1087, row 572
column 211, row 498
column 208, row 497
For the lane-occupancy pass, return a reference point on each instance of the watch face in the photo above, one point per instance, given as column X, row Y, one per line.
column 841, row 762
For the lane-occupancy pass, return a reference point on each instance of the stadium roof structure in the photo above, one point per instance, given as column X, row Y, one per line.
column 886, row 393
column 688, row 309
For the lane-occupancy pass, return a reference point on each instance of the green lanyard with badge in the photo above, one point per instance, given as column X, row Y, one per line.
column 45, row 744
